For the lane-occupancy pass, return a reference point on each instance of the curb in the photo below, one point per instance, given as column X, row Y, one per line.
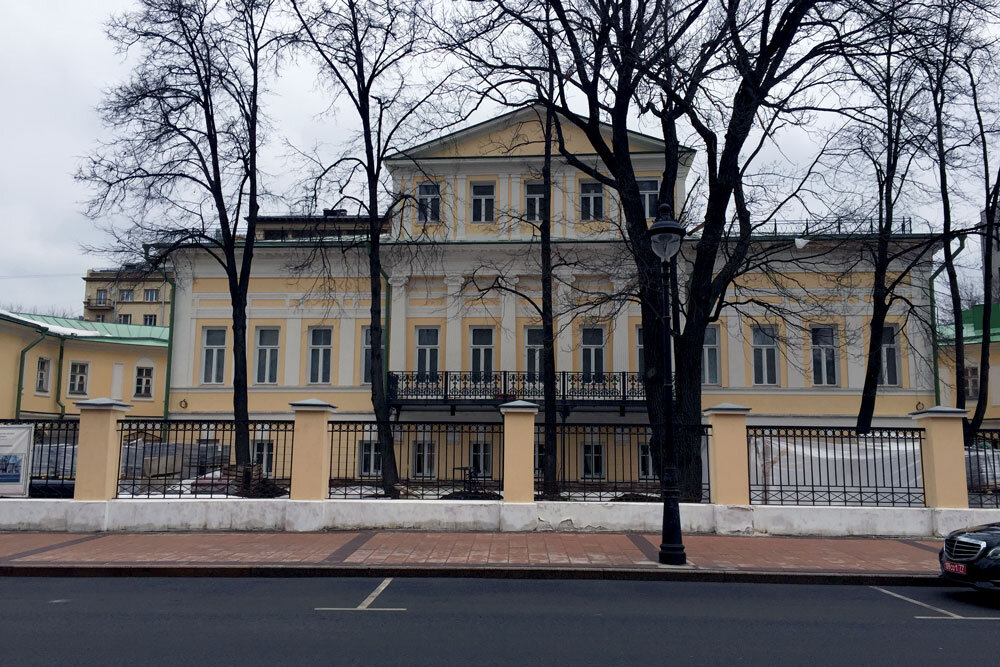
column 548, row 573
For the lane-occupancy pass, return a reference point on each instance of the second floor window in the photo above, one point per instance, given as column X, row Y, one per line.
column 971, row 381
column 710, row 356
column 533, row 353
column 267, row 356
column 429, row 202
column 427, row 352
column 151, row 295
column 592, row 347
column 102, row 297
column 640, row 352
column 124, row 318
column 591, row 201
column 534, row 201
column 143, row 382
column 78, row 372
column 366, row 355
column 149, row 320
column 43, row 375
column 889, row 375
column 483, row 198
column 481, row 353
column 824, row 356
column 764, row 340
column 213, row 355
column 125, row 295
column 649, row 191
column 320, row 354
column 99, row 318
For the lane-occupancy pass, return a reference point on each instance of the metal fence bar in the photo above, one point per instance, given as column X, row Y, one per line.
column 53, row 456
column 813, row 465
column 434, row 460
column 982, row 469
column 197, row 459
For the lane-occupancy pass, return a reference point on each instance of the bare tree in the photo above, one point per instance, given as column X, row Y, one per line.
column 182, row 168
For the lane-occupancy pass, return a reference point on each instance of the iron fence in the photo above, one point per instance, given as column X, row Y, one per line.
column 835, row 466
column 982, row 469
column 53, row 456
column 433, row 460
column 608, row 462
column 189, row 458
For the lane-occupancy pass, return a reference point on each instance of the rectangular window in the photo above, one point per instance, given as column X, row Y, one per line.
column 151, row 295
column 481, row 353
column 765, row 355
column 591, row 201
column 320, row 355
column 533, row 353
column 213, row 355
column 592, row 348
column 538, row 457
column 890, row 357
column 369, row 459
column 43, row 375
column 824, row 356
column 645, row 461
column 423, row 459
column 593, row 460
column 149, row 320
column 427, row 353
column 640, row 351
column 366, row 355
column 971, row 381
column 649, row 191
column 99, row 318
column 263, row 455
column 483, row 198
column 143, row 382
column 102, row 297
column 267, row 356
column 710, row 356
column 124, row 318
column 429, row 202
column 481, row 459
column 534, row 201
column 78, row 372
column 125, row 295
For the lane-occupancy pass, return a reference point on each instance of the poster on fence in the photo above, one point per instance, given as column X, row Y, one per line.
column 15, row 459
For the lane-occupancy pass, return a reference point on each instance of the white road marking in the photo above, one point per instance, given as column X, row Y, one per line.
column 948, row 616
column 57, row 601
column 366, row 605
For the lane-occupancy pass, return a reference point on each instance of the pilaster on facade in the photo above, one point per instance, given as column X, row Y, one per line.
column 458, row 199
column 397, row 330
column 453, row 322
column 563, row 292
column 508, row 328
column 623, row 337
column 348, row 351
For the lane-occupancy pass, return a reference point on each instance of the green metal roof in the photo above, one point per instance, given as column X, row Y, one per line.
column 972, row 327
column 101, row 332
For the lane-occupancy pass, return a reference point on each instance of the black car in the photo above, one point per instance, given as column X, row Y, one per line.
column 972, row 556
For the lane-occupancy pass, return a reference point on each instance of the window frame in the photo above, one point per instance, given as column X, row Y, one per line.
column 146, row 319
column 593, row 375
column 429, row 204
column 425, row 451
column 485, row 456
column 481, row 374
column 427, row 352
column 536, row 201
column 70, row 391
column 485, row 202
column 372, row 460
column 533, row 350
column 124, row 318
column 647, row 458
column 764, row 348
column 272, row 354
column 47, row 376
column 971, row 370
column 591, row 198
column 101, row 297
column 640, row 352
column 712, row 349
column 263, row 456
column 216, row 351
column 897, row 357
column 366, row 369
column 317, row 351
column 593, row 455
column 649, row 196
column 122, row 298
column 824, row 350
column 151, row 290
column 145, row 381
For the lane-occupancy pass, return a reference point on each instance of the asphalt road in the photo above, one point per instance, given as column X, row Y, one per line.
column 485, row 622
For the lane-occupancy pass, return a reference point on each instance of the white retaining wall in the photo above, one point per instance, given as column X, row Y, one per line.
column 451, row 515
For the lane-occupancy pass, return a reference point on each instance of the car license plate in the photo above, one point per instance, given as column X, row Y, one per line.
column 955, row 568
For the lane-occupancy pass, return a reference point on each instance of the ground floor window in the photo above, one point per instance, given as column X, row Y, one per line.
column 481, row 459
column 423, row 459
column 263, row 455
column 645, row 461
column 593, row 460
column 369, row 459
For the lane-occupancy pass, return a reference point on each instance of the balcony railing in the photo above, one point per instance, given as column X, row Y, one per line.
column 98, row 303
column 501, row 386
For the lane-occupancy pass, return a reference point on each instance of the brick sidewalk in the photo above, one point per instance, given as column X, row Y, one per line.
column 372, row 551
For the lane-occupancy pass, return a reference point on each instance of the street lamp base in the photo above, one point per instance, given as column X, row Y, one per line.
column 672, row 554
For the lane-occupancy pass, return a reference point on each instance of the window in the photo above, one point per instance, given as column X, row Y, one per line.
column 423, row 459
column 320, row 355
column 481, row 459
column 539, row 458
column 151, row 295
column 533, row 353
column 267, row 356
column 593, row 354
column 645, row 461
column 591, row 201
column 427, row 353
column 640, row 351
column 765, row 355
column 824, row 356
column 143, row 382
column 593, row 460
column 649, row 191
column 534, row 201
column 971, row 381
column 99, row 318
column 43, row 375
column 124, row 318
column 369, row 459
column 890, row 357
column 483, row 197
column 149, row 320
column 125, row 295
column 429, row 202
column 78, row 371
column 366, row 355
column 710, row 355
column 263, row 455
column 213, row 355
column 102, row 297
column 481, row 352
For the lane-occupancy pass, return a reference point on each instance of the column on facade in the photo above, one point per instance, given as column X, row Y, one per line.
column 453, row 325
column 397, row 328
column 453, row 209
column 508, row 329
column 515, row 206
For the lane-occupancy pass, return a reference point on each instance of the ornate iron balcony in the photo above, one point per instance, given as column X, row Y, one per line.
column 451, row 387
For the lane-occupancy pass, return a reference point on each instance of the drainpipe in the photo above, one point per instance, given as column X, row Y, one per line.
column 20, row 373
column 170, row 333
column 934, row 336
column 59, row 374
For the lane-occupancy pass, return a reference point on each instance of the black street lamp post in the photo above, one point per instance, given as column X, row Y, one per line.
column 665, row 238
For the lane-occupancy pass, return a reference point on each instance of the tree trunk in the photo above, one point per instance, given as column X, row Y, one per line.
column 241, row 408
column 550, row 484
column 380, row 404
